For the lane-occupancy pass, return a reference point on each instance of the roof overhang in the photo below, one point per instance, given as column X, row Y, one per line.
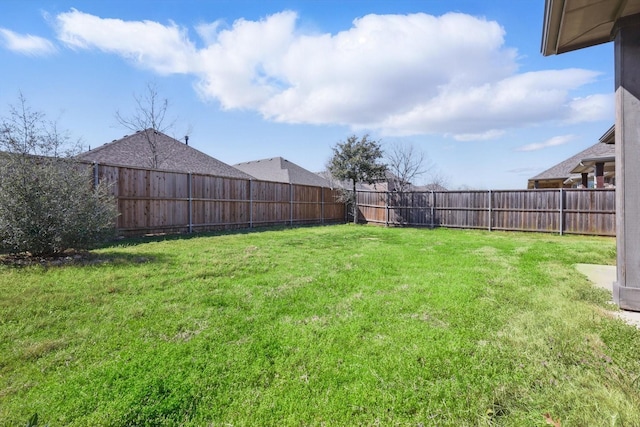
column 575, row 24
column 609, row 136
column 587, row 165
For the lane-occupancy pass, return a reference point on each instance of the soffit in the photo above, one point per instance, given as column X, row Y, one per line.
column 575, row 24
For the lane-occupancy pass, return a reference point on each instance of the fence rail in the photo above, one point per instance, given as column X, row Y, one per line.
column 156, row 201
column 570, row 211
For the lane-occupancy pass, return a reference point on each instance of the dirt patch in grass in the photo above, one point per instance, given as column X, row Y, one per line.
column 27, row 259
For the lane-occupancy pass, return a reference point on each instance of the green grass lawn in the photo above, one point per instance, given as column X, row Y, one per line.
column 336, row 325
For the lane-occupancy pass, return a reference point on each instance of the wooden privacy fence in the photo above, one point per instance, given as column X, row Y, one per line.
column 571, row 211
column 156, row 201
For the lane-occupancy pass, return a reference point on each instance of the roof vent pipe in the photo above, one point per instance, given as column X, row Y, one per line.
column 186, row 139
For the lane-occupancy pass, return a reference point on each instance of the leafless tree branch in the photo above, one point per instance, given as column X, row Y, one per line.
column 406, row 164
column 149, row 117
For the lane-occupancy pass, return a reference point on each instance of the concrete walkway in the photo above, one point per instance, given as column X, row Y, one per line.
column 603, row 276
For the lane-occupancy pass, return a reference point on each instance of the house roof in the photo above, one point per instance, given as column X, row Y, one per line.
column 386, row 184
column 430, row 187
column 134, row 150
column 575, row 24
column 278, row 169
column 563, row 169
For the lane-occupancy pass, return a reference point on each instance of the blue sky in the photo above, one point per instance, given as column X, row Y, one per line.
column 462, row 81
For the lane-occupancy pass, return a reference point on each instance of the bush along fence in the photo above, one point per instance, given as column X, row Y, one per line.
column 570, row 211
column 156, row 201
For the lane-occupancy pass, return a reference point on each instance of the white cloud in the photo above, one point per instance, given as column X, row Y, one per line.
column 385, row 66
column 552, row 142
column 165, row 49
column 592, row 108
column 395, row 74
column 514, row 101
column 240, row 68
column 484, row 136
column 26, row 44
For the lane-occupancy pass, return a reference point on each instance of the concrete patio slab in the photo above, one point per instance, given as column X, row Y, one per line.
column 603, row 277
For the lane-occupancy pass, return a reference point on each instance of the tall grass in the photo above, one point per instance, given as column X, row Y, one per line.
column 340, row 325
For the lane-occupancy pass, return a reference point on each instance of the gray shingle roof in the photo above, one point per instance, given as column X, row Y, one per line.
column 430, row 187
column 134, row 150
column 563, row 169
column 278, row 169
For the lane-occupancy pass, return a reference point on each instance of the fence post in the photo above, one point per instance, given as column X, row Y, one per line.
column 189, row 189
column 346, row 208
column 290, row 204
column 386, row 209
column 96, row 177
column 490, row 208
column 321, row 205
column 561, row 221
column 433, row 209
column 250, row 203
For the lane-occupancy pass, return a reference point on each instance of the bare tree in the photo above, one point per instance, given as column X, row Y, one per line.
column 406, row 164
column 437, row 181
column 150, row 117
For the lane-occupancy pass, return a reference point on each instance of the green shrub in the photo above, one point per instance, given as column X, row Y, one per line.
column 49, row 205
column 47, row 201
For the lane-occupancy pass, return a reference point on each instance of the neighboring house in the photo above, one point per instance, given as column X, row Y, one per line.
column 393, row 183
column 134, row 150
column 378, row 185
column 389, row 183
column 390, row 186
column 429, row 187
column 278, row 169
column 593, row 167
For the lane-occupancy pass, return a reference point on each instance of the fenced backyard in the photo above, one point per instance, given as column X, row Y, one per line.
column 155, row 201
column 563, row 211
column 321, row 325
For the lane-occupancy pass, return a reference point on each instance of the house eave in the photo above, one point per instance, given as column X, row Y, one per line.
column 570, row 25
column 609, row 136
column 587, row 165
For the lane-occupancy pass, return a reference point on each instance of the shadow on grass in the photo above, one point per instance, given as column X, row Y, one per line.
column 133, row 241
column 80, row 259
column 90, row 258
